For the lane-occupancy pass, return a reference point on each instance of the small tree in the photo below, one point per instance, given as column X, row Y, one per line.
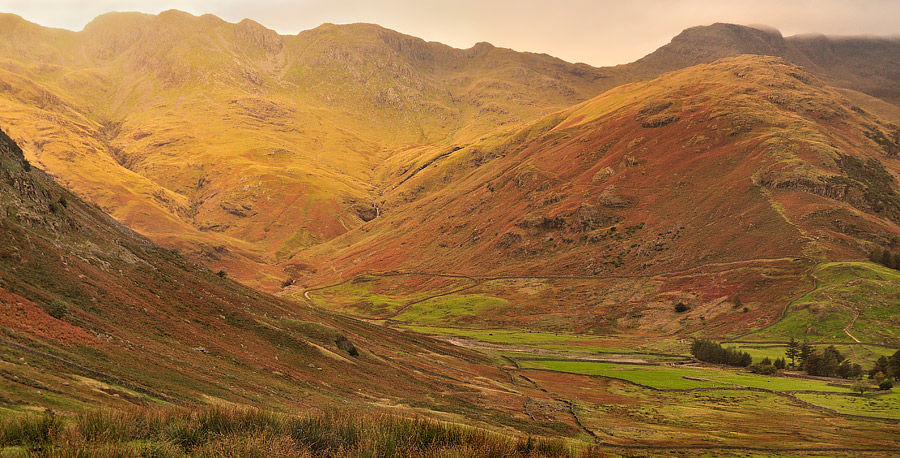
column 780, row 364
column 793, row 351
column 885, row 385
column 881, row 367
column 805, row 350
column 860, row 386
column 875, row 255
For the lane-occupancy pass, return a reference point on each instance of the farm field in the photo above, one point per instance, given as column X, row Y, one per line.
column 665, row 377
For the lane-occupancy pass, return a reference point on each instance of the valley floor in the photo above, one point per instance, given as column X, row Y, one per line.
column 641, row 390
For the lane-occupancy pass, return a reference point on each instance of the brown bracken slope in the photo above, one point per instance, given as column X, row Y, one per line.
column 92, row 314
column 748, row 159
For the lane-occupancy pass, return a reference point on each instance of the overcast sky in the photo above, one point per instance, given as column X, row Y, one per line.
column 598, row 32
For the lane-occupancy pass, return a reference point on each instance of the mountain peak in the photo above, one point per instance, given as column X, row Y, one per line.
column 723, row 38
column 704, row 44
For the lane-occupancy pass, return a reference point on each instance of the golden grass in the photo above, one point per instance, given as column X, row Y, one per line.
column 231, row 431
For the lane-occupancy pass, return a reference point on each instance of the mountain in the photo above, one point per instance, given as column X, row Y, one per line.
column 93, row 314
column 748, row 161
column 870, row 65
column 239, row 146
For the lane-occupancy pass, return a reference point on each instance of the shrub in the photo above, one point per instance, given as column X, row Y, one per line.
column 30, row 430
column 221, row 274
column 229, row 431
column 780, row 363
column 58, row 309
column 764, row 369
column 885, row 385
column 681, row 308
column 287, row 282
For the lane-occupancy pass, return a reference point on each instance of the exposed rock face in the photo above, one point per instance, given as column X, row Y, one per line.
column 252, row 32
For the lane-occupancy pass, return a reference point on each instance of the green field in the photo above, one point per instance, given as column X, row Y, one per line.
column 887, row 405
column 375, row 295
column 458, row 308
column 666, row 377
column 561, row 343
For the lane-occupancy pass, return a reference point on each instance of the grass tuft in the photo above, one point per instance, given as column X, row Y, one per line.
column 243, row 432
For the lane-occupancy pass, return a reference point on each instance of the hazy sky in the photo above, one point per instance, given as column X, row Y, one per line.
column 598, row 32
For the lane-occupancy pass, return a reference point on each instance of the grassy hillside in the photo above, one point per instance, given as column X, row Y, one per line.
column 851, row 302
column 94, row 315
column 112, row 346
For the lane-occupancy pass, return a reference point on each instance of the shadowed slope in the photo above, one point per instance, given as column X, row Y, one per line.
column 93, row 314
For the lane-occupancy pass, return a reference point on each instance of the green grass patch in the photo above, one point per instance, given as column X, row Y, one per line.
column 657, row 376
column 375, row 296
column 457, row 308
column 842, row 290
column 505, row 336
column 886, row 405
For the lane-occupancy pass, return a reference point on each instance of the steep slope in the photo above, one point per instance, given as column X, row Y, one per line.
column 748, row 159
column 92, row 314
column 240, row 146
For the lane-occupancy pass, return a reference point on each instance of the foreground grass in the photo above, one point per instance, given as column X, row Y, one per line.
column 226, row 431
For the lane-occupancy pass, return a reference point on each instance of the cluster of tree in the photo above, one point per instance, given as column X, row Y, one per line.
column 831, row 363
column 884, row 257
column 886, row 368
column 825, row 363
column 713, row 352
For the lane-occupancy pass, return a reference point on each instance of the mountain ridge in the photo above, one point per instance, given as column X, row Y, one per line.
column 333, row 119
